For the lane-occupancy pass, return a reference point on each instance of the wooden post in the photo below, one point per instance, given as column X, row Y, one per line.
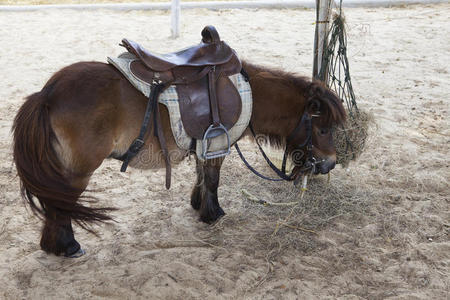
column 323, row 11
column 175, row 16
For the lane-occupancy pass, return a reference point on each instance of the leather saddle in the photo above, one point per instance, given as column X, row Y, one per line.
column 209, row 103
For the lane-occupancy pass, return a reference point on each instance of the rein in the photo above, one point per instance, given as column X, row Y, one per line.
column 310, row 163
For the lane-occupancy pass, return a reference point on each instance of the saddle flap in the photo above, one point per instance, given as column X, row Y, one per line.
column 195, row 108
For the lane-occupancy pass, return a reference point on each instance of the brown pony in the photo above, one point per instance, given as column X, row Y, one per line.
column 88, row 112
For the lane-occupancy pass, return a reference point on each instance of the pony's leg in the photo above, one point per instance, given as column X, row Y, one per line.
column 57, row 234
column 196, row 191
column 210, row 209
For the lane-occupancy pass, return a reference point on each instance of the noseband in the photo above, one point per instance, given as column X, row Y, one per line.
column 310, row 163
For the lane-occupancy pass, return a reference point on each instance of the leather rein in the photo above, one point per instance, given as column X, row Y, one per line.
column 310, row 163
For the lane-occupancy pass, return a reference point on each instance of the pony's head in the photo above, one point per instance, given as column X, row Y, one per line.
column 311, row 142
column 292, row 109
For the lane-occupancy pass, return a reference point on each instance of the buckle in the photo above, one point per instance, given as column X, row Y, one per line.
column 156, row 80
column 211, row 132
column 136, row 146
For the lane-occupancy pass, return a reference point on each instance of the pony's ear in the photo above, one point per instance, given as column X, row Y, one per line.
column 313, row 107
column 321, row 98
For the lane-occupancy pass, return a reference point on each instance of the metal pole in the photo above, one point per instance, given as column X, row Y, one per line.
column 175, row 16
column 323, row 11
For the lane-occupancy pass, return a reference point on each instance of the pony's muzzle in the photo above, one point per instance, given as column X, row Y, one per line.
column 325, row 166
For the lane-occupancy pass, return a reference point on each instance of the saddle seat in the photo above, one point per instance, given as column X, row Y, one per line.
column 207, row 98
column 211, row 51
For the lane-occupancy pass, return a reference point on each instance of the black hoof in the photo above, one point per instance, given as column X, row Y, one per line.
column 212, row 216
column 73, row 249
column 77, row 254
column 195, row 199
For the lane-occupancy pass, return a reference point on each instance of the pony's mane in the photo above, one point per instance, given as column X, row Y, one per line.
column 331, row 105
column 311, row 90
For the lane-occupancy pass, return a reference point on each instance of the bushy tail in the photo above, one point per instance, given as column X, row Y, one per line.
column 40, row 171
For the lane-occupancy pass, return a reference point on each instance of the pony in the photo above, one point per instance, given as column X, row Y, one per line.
column 88, row 112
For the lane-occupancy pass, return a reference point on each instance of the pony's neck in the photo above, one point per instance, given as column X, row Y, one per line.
column 278, row 101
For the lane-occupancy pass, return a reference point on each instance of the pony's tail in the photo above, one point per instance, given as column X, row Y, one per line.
column 41, row 172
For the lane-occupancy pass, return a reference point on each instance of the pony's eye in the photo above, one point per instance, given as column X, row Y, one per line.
column 324, row 131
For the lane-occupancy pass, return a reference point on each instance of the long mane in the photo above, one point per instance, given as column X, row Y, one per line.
column 311, row 90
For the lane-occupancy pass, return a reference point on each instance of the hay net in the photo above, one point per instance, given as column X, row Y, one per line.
column 349, row 138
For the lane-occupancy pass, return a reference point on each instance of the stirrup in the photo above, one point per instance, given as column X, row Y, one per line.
column 214, row 131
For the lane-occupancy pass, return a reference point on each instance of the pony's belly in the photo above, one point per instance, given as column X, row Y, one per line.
column 148, row 159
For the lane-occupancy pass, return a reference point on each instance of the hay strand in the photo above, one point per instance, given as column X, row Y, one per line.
column 253, row 198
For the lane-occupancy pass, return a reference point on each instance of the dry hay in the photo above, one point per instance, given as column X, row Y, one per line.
column 350, row 138
column 250, row 226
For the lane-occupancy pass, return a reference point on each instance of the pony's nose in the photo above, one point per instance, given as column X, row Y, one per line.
column 326, row 166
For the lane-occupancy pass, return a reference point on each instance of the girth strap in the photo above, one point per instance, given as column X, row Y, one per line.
column 158, row 132
column 139, row 141
column 152, row 109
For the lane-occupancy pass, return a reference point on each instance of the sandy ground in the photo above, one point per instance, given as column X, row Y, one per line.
column 38, row 2
column 381, row 225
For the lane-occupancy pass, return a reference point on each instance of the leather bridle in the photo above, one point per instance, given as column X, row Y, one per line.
column 310, row 164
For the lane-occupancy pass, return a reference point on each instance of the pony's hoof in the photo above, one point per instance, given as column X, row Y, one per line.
column 77, row 254
column 213, row 216
column 195, row 199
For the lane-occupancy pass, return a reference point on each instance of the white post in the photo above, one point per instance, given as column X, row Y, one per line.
column 323, row 11
column 175, row 16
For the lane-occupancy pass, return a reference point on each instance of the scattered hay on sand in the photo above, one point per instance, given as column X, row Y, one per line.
column 251, row 226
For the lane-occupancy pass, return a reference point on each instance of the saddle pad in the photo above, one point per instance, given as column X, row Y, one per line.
column 170, row 99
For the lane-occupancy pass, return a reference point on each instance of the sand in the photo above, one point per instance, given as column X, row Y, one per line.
column 39, row 2
column 381, row 225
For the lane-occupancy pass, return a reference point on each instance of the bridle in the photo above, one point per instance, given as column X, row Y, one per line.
column 310, row 163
